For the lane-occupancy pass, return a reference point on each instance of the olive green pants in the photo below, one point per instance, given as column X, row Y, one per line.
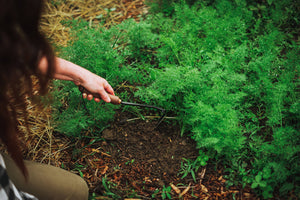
column 47, row 182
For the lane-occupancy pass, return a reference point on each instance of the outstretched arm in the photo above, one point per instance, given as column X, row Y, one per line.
column 66, row 70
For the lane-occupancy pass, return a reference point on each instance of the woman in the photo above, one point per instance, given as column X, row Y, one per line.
column 25, row 52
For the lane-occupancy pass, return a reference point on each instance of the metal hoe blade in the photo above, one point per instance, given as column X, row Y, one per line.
column 163, row 111
column 116, row 100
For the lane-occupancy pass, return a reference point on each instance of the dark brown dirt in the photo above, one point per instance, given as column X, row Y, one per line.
column 159, row 151
column 148, row 157
column 137, row 160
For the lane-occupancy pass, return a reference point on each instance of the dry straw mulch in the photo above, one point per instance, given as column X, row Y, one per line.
column 40, row 142
column 106, row 12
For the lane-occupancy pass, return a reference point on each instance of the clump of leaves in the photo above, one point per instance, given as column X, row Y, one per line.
column 102, row 51
column 230, row 73
column 191, row 167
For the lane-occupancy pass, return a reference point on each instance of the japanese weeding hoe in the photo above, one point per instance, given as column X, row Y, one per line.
column 117, row 101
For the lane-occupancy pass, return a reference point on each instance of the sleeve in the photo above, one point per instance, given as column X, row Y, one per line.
column 8, row 190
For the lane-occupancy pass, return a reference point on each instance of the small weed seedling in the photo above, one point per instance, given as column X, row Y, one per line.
column 191, row 167
column 107, row 187
column 166, row 192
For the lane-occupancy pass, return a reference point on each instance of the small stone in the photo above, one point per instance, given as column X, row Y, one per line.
column 108, row 134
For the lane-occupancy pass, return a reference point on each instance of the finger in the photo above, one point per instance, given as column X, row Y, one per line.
column 97, row 100
column 109, row 89
column 103, row 94
column 89, row 97
column 84, row 95
column 105, row 97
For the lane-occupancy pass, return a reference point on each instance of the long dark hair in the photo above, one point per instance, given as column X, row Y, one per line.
column 22, row 45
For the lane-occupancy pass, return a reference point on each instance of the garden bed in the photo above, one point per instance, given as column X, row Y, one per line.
column 137, row 160
column 242, row 111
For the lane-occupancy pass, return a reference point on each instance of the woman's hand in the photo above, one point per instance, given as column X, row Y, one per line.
column 95, row 84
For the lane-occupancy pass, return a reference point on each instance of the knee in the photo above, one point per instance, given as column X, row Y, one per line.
column 81, row 190
column 85, row 189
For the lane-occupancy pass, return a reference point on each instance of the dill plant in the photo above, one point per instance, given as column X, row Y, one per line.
column 93, row 50
column 103, row 52
column 228, row 70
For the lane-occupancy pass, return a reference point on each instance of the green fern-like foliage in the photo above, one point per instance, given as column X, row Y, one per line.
column 103, row 52
column 231, row 79
column 92, row 50
column 227, row 69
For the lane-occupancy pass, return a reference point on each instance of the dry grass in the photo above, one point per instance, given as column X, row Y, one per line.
column 106, row 12
column 38, row 139
column 41, row 143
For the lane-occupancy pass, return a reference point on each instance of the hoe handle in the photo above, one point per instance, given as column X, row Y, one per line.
column 114, row 99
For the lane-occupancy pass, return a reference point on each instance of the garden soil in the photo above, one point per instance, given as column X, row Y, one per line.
column 136, row 159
